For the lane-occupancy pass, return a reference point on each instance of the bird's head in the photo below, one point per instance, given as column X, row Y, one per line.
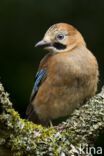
column 61, row 37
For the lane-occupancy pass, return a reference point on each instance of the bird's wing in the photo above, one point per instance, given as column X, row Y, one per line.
column 39, row 78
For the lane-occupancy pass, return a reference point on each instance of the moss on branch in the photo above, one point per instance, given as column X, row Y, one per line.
column 22, row 137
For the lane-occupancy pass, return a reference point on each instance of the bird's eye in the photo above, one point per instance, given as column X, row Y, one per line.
column 60, row 36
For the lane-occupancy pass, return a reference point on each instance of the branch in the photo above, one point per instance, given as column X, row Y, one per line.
column 69, row 138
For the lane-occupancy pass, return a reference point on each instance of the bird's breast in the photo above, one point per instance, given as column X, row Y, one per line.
column 61, row 70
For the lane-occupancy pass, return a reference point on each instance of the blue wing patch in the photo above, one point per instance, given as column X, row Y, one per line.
column 40, row 76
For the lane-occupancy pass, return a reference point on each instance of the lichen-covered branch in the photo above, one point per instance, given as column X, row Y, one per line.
column 22, row 137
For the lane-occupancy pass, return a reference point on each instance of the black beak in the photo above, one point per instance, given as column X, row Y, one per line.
column 43, row 44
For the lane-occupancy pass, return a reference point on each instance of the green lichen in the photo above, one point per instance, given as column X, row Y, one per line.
column 25, row 138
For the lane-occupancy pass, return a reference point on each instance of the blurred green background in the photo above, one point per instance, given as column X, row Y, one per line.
column 24, row 22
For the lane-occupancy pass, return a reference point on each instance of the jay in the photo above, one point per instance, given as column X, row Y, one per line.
column 67, row 75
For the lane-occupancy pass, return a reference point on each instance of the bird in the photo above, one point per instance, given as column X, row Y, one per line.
column 67, row 76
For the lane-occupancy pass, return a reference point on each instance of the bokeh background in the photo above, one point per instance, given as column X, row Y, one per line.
column 24, row 22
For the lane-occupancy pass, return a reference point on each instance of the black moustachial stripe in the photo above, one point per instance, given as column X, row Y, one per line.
column 59, row 46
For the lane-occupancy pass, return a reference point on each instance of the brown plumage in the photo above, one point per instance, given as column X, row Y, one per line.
column 67, row 75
